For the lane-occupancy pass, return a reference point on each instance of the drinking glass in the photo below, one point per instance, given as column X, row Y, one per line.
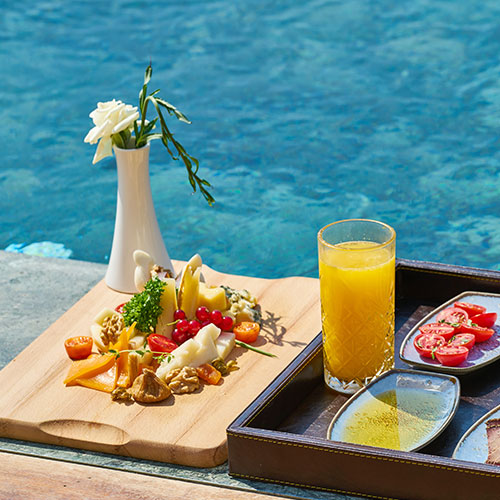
column 357, row 274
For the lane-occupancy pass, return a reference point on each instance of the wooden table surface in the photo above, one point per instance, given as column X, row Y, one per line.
column 30, row 478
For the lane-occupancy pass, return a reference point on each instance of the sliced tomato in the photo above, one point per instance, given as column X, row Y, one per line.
column 486, row 320
column 465, row 339
column 247, row 331
column 427, row 343
column 442, row 329
column 481, row 334
column 78, row 347
column 451, row 355
column 160, row 343
column 470, row 309
column 119, row 309
column 452, row 315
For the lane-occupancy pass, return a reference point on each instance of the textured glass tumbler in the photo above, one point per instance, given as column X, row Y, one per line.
column 357, row 274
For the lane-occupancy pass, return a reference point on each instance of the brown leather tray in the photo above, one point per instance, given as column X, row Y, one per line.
column 280, row 437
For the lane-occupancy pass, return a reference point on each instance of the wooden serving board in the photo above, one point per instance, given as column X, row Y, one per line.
column 188, row 429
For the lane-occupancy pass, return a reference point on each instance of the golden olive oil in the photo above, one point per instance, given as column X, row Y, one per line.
column 398, row 419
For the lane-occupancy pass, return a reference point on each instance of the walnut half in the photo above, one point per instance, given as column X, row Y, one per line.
column 111, row 328
column 148, row 388
column 183, row 381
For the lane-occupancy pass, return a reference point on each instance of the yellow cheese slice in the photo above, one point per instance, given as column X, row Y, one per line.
column 168, row 302
column 212, row 297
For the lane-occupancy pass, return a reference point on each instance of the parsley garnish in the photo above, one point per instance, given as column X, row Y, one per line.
column 144, row 308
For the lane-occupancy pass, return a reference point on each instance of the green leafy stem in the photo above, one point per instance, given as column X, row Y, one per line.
column 144, row 134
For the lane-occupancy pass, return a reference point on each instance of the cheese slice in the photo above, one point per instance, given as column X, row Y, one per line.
column 213, row 297
column 188, row 291
column 194, row 352
column 168, row 302
column 224, row 344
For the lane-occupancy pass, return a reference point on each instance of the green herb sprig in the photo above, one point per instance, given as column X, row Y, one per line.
column 158, row 355
column 252, row 348
column 144, row 308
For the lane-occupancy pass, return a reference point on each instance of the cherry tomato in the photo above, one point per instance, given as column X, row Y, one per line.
column 209, row 374
column 470, row 309
column 194, row 327
column 227, row 324
column 179, row 314
column 486, row 320
column 451, row 355
column 427, row 343
column 78, row 347
column 465, row 339
column 216, row 318
column 247, row 331
column 160, row 343
column 180, row 337
column 442, row 329
column 452, row 315
column 202, row 313
column 119, row 309
column 481, row 334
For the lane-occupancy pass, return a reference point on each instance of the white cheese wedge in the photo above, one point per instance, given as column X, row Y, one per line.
column 95, row 331
column 105, row 313
column 180, row 357
column 224, row 344
column 207, row 352
column 168, row 302
column 96, row 328
column 194, row 352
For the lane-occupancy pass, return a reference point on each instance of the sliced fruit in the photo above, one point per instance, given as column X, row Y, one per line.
column 87, row 368
column 209, row 374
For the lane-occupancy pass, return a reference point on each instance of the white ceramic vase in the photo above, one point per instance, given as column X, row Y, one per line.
column 136, row 226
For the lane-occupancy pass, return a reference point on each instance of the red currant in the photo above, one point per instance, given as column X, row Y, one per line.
column 205, row 323
column 194, row 327
column 179, row 314
column 216, row 317
column 182, row 325
column 179, row 337
column 202, row 313
column 227, row 324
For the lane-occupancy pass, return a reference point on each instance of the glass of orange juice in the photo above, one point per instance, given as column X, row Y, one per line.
column 357, row 274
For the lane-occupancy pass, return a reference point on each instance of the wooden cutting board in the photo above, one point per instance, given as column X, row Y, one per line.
column 188, row 429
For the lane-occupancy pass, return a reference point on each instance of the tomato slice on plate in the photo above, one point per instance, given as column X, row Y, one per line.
column 465, row 339
column 451, row 355
column 470, row 309
column 486, row 320
column 160, row 343
column 78, row 347
column 442, row 329
column 427, row 343
column 452, row 315
column 481, row 334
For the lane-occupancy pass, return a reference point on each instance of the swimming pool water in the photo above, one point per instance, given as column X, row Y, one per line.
column 303, row 113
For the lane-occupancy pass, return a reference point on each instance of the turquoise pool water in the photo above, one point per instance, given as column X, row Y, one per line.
column 303, row 113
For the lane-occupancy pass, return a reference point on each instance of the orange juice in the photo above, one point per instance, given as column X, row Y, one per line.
column 357, row 308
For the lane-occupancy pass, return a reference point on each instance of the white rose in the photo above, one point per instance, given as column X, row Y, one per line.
column 109, row 118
